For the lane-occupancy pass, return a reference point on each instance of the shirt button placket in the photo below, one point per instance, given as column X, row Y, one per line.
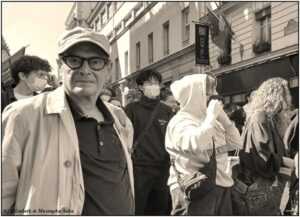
column 100, row 142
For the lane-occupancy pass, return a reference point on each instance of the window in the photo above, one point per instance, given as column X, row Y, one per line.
column 118, row 28
column 110, row 10
column 263, row 30
column 117, row 69
column 166, row 38
column 103, row 18
column 137, row 8
column 150, row 47
column 118, row 5
column 185, row 25
column 126, row 62
column 138, row 55
column 96, row 25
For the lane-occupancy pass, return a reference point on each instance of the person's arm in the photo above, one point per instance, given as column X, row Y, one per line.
column 232, row 135
column 192, row 138
column 13, row 139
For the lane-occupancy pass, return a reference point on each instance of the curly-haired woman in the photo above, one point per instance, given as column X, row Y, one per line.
column 265, row 162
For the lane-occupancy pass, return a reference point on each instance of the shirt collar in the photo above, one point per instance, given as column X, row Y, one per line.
column 77, row 114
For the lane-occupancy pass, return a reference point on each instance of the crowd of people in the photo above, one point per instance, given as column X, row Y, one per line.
column 75, row 149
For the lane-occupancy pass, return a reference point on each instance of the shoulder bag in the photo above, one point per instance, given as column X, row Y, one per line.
column 198, row 184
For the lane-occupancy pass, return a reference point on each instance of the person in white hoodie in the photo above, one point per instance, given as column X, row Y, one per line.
column 189, row 141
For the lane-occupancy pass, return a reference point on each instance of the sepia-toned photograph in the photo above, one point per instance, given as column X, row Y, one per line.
column 150, row 108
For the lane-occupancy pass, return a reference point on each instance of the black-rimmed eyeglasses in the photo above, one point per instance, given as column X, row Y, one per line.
column 76, row 62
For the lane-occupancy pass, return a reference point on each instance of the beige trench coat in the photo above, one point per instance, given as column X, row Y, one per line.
column 41, row 168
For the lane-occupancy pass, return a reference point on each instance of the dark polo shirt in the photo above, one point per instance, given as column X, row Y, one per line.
column 105, row 174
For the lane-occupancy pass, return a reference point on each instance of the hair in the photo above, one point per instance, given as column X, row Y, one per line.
column 270, row 95
column 27, row 64
column 108, row 91
column 165, row 93
column 146, row 75
column 236, row 114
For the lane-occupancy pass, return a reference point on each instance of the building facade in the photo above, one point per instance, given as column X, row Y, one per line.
column 161, row 36
column 5, row 55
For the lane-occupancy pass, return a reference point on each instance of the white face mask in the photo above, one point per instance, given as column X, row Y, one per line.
column 38, row 84
column 152, row 91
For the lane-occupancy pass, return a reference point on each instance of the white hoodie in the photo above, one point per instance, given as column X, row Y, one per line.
column 189, row 134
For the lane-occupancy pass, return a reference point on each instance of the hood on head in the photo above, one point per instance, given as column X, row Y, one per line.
column 190, row 92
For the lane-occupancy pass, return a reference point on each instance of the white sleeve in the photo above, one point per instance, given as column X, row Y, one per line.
column 189, row 137
column 232, row 136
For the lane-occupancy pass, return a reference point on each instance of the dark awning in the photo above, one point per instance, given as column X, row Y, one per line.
column 247, row 79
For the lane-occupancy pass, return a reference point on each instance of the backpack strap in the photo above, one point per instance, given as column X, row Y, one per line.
column 153, row 115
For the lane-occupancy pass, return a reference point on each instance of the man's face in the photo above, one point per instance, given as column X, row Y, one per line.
column 151, row 88
column 35, row 80
column 84, row 81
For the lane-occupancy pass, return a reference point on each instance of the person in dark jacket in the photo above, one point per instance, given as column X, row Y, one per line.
column 30, row 75
column 150, row 160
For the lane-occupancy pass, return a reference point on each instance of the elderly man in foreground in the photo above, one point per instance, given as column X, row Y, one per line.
column 67, row 151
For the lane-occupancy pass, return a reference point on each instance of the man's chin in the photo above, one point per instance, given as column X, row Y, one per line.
column 84, row 92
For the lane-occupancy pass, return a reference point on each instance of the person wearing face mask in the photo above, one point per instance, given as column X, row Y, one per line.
column 151, row 161
column 30, row 74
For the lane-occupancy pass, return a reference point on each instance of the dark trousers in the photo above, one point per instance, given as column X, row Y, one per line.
column 152, row 195
column 217, row 202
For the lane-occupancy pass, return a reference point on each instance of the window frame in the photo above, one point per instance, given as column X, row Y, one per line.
column 185, row 25
column 150, row 48
column 166, row 38
column 126, row 62
column 138, row 55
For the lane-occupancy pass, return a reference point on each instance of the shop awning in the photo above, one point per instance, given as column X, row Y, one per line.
column 247, row 79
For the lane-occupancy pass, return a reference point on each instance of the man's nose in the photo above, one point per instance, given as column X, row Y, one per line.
column 85, row 69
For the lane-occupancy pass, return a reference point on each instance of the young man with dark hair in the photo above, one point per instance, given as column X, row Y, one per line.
column 151, row 161
column 30, row 74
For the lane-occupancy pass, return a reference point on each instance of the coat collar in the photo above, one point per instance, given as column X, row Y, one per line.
column 56, row 101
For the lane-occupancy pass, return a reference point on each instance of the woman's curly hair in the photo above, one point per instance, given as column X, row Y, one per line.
column 272, row 96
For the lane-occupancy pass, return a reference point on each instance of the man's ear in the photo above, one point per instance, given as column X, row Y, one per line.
column 22, row 76
column 58, row 62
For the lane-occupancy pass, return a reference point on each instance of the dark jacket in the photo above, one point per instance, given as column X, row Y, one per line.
column 263, row 148
column 151, row 148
